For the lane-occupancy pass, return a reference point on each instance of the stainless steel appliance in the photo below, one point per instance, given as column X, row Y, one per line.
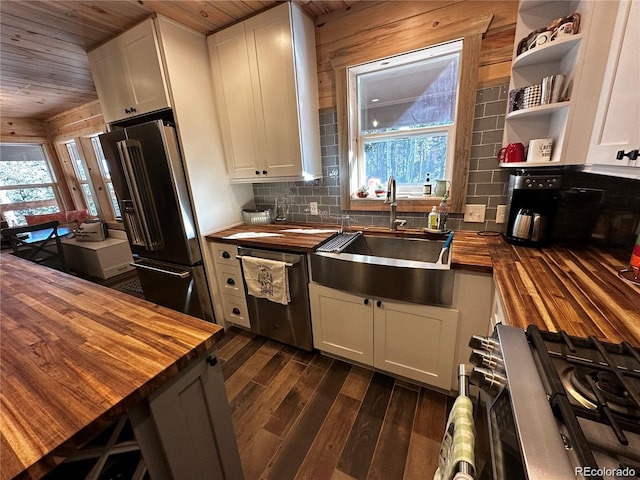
column 559, row 406
column 291, row 323
column 150, row 183
column 531, row 207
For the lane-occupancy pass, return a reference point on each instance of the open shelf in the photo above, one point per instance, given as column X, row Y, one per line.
column 550, row 52
column 539, row 111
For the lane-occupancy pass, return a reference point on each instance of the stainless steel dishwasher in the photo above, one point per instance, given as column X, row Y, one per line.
column 291, row 323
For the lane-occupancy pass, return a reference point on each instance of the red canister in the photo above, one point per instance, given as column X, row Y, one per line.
column 635, row 256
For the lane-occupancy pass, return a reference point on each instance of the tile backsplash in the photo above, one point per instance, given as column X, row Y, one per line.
column 487, row 182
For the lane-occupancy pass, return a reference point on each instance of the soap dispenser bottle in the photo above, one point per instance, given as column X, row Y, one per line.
column 433, row 220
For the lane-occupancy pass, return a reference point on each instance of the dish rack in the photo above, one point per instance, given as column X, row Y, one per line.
column 339, row 242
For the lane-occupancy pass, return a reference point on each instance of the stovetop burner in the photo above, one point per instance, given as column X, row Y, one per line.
column 584, row 380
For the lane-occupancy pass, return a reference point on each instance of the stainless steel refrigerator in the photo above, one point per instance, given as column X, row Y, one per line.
column 150, row 183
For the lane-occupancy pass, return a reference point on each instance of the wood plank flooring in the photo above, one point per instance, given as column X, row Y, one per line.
column 300, row 415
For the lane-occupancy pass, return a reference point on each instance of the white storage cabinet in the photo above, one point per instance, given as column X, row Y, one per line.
column 230, row 283
column 129, row 74
column 414, row 341
column 617, row 124
column 265, row 81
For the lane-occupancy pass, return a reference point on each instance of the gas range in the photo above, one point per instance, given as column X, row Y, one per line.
column 559, row 406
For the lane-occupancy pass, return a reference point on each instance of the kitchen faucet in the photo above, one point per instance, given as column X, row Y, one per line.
column 393, row 204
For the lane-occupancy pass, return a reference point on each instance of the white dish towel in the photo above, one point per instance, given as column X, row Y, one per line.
column 266, row 279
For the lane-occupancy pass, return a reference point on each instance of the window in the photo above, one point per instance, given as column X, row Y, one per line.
column 106, row 175
column 83, row 179
column 402, row 117
column 27, row 184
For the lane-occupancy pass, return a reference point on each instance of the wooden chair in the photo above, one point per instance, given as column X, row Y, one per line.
column 37, row 243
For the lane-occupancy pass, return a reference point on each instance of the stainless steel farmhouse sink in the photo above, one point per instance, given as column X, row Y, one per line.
column 408, row 269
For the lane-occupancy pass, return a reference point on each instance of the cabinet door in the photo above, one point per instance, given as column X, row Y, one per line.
column 193, row 421
column 110, row 80
column 617, row 124
column 129, row 75
column 143, row 68
column 234, row 101
column 415, row 341
column 342, row 323
column 270, row 47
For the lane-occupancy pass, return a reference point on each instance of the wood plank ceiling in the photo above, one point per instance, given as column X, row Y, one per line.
column 43, row 64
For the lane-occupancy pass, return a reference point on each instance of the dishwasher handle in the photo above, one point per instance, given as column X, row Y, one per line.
column 240, row 257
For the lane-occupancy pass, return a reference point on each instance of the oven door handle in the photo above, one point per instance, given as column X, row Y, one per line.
column 240, row 257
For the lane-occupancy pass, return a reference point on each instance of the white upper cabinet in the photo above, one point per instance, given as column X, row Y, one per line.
column 580, row 58
column 617, row 124
column 265, row 80
column 129, row 75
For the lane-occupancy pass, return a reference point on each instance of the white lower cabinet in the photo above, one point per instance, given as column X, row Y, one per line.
column 410, row 340
column 342, row 323
column 415, row 341
column 230, row 284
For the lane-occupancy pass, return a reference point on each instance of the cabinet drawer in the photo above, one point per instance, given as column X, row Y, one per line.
column 225, row 254
column 230, row 280
column 235, row 310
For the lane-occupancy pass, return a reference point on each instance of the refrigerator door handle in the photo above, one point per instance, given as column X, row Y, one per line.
column 143, row 217
column 160, row 270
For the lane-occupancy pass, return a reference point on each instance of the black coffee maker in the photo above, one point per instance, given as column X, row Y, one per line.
column 531, row 208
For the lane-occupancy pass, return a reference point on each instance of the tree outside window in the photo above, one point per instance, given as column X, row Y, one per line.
column 27, row 184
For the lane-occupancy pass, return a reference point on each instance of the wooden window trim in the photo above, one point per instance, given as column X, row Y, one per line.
column 471, row 33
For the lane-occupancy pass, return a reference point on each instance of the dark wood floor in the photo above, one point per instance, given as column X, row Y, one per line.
column 306, row 416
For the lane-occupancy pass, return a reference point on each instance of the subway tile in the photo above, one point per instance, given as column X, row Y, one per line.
column 480, row 177
column 488, row 163
column 479, row 111
column 491, row 137
column 490, row 189
column 495, row 108
column 488, row 95
column 473, row 164
column 497, row 200
column 481, row 151
column 476, row 138
column 500, row 122
column 477, row 200
column 504, row 92
column 330, row 200
column 486, row 123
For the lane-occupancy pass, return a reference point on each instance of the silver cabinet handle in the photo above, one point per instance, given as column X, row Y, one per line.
column 160, row 270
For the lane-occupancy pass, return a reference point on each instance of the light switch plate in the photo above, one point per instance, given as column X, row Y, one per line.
column 500, row 213
column 313, row 208
column 474, row 213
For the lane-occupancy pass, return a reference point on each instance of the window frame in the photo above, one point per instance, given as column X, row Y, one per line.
column 411, row 192
column 54, row 185
column 468, row 84
column 106, row 180
column 87, row 181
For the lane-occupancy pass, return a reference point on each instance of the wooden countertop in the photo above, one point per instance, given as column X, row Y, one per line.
column 295, row 242
column 573, row 289
column 75, row 356
column 469, row 250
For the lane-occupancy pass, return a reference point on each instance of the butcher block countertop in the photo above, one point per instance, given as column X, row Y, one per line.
column 573, row 289
column 75, row 356
column 469, row 250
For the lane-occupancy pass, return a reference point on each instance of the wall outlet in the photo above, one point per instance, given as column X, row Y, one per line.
column 500, row 213
column 474, row 213
column 313, row 208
